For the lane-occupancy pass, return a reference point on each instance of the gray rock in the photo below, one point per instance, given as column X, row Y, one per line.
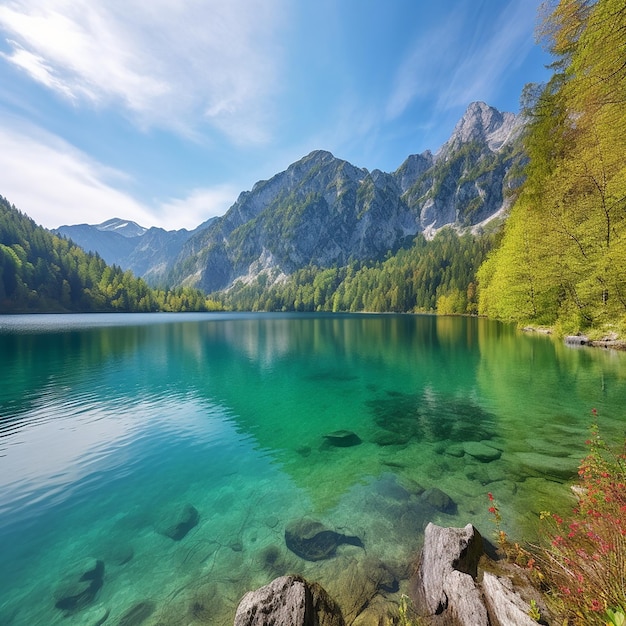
column 444, row 585
column 288, row 600
column 481, row 451
column 504, row 603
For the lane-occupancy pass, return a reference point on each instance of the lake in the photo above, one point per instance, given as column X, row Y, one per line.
column 162, row 457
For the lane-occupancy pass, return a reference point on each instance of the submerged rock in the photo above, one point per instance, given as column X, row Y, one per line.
column 179, row 525
column 312, row 541
column 137, row 614
column 481, row 451
column 439, row 500
column 79, row 589
column 289, row 600
column 342, row 439
column 557, row 467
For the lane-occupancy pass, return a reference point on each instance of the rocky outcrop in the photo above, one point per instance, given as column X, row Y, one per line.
column 444, row 585
column 450, row 589
column 289, row 600
column 455, row 584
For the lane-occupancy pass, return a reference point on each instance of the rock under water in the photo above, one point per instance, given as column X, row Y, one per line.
column 312, row 541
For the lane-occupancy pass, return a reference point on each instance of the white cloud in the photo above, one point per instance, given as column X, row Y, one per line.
column 200, row 205
column 167, row 63
column 55, row 184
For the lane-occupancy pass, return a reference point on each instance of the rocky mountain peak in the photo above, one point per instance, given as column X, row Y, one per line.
column 126, row 228
column 484, row 124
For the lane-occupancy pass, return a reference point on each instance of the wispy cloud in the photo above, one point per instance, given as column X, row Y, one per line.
column 166, row 63
column 45, row 177
column 425, row 67
column 455, row 63
column 197, row 207
column 482, row 69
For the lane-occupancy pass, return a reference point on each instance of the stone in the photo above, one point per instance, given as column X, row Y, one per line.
column 388, row 487
column 312, row 541
column 557, row 467
column 356, row 583
column 342, row 439
column 288, row 600
column 79, row 588
column 439, row 500
column 455, row 450
column 137, row 614
column 481, row 451
column 118, row 553
column 178, row 527
column 444, row 584
column 504, row 603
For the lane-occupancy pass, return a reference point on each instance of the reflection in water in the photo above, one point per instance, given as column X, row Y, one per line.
column 370, row 425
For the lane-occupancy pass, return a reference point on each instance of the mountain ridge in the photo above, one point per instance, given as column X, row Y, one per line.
column 323, row 210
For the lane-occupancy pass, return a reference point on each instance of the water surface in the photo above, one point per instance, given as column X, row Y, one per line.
column 110, row 425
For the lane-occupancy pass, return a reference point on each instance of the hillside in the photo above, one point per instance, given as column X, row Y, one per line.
column 40, row 271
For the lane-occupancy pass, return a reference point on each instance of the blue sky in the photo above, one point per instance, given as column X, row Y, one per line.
column 164, row 111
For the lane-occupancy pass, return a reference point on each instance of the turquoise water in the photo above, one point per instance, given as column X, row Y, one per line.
column 110, row 425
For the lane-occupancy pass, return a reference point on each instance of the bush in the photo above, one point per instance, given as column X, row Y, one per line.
column 584, row 560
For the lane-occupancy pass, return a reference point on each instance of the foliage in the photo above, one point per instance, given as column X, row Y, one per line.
column 428, row 276
column 42, row 272
column 585, row 559
column 406, row 613
column 564, row 248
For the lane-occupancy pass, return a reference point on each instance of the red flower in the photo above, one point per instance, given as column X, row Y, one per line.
column 490, row 496
column 492, row 509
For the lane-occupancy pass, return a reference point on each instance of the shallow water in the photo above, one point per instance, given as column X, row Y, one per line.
column 110, row 425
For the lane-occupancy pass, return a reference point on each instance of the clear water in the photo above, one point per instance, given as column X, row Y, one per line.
column 111, row 424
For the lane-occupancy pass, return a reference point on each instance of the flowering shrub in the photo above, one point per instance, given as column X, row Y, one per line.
column 585, row 559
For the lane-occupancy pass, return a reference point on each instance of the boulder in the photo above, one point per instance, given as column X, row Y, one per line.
column 355, row 583
column 556, row 467
column 439, row 500
column 342, row 439
column 481, row 451
column 137, row 614
column 288, row 600
column 80, row 587
column 312, row 541
column 504, row 603
column 181, row 523
column 444, row 586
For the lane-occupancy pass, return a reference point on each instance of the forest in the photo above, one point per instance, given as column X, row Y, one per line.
column 562, row 258
column 437, row 275
column 42, row 272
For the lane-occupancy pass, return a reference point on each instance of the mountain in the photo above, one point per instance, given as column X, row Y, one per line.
column 123, row 227
column 147, row 252
column 325, row 211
